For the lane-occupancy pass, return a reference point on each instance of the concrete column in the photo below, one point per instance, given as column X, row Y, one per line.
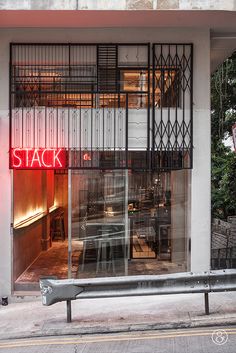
column 201, row 173
column 5, row 176
column 5, row 208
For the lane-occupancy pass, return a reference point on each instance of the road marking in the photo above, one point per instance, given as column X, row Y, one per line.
column 69, row 341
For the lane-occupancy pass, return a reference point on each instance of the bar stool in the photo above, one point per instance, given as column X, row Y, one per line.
column 102, row 260
column 58, row 227
column 105, row 242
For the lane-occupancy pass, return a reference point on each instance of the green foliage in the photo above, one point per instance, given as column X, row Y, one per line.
column 223, row 116
column 223, row 182
column 223, row 98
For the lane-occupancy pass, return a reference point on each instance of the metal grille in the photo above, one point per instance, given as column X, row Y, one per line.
column 95, row 100
column 107, row 56
column 172, row 106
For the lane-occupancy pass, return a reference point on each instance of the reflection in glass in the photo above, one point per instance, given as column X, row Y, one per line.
column 129, row 223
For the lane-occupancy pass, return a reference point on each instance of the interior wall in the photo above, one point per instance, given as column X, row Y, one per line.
column 27, row 246
column 33, row 192
column 28, row 193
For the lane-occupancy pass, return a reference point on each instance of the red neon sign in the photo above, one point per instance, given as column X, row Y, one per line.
column 38, row 158
column 86, row 157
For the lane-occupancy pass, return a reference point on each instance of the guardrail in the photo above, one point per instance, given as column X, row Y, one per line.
column 54, row 291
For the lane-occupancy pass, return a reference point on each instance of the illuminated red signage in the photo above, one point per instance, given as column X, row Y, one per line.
column 86, row 157
column 38, row 158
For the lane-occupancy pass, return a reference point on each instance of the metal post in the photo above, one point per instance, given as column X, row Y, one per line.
column 206, row 297
column 68, row 310
column 127, row 238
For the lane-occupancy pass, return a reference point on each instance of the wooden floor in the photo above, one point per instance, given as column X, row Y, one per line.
column 141, row 248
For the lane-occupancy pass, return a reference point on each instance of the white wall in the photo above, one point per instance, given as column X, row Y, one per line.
column 200, row 195
column 5, row 209
column 5, row 176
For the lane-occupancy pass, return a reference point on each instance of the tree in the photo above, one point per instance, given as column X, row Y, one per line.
column 223, row 116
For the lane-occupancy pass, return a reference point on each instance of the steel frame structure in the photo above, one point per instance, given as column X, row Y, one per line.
column 77, row 96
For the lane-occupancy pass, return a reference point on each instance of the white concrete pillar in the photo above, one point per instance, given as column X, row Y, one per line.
column 5, row 208
column 201, row 173
column 5, row 175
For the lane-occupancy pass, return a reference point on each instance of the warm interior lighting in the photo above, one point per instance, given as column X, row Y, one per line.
column 109, row 211
column 43, row 83
column 29, row 217
column 135, row 81
column 53, row 207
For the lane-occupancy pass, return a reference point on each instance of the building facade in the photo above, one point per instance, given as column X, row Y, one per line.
column 105, row 140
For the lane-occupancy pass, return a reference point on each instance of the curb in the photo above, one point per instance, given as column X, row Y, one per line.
column 81, row 330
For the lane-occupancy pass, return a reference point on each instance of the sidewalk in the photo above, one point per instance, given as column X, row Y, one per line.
column 28, row 318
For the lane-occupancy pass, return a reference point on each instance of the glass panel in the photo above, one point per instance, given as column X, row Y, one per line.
column 158, row 207
column 123, row 223
column 134, row 80
column 99, row 245
column 129, row 223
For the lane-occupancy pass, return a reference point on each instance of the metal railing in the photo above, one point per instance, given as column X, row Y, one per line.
column 54, row 291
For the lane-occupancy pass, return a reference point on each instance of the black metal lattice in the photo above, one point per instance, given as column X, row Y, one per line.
column 96, row 101
column 172, row 106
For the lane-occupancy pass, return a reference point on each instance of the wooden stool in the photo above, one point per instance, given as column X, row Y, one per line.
column 58, row 227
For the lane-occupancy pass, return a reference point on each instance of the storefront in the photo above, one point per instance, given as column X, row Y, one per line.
column 101, row 152
column 108, row 161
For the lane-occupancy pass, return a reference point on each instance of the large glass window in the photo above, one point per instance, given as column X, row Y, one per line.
column 129, row 223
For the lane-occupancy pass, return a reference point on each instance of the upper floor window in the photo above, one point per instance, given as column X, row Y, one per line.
column 90, row 76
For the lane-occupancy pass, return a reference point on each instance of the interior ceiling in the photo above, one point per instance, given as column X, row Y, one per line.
column 221, row 23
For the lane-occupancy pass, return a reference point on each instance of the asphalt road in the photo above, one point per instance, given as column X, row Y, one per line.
column 200, row 340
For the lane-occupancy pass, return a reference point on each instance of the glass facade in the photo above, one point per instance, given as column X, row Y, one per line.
column 123, row 223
